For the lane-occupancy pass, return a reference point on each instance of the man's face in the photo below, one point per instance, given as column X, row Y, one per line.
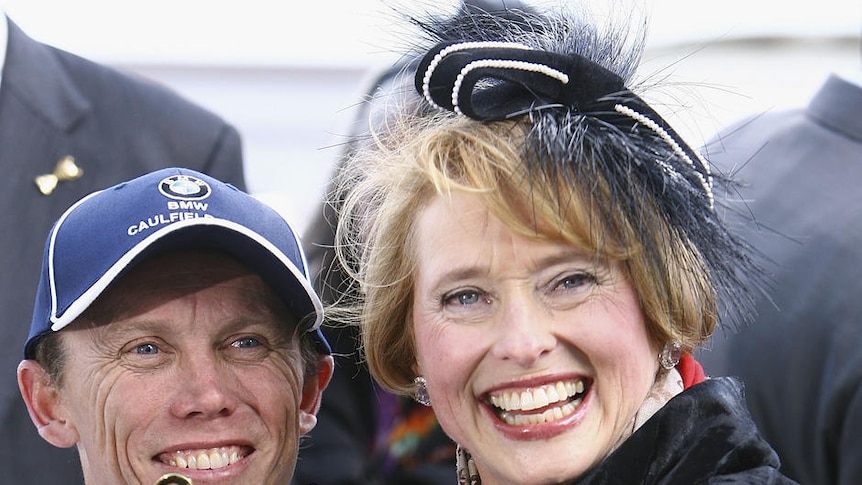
column 189, row 364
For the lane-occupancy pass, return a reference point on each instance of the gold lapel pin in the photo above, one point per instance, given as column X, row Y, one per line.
column 64, row 171
column 174, row 478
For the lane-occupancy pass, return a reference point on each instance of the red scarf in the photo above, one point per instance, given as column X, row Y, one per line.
column 690, row 370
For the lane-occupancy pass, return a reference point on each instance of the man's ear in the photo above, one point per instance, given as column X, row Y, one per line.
column 42, row 396
column 312, row 392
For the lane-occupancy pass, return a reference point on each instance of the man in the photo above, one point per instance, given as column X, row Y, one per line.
column 102, row 127
column 175, row 330
column 800, row 361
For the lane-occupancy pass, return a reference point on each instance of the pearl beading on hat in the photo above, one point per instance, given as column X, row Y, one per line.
column 705, row 181
column 504, row 64
column 426, row 78
column 703, row 173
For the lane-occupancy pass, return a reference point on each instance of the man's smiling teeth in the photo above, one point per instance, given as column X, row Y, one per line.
column 209, row 459
column 537, row 398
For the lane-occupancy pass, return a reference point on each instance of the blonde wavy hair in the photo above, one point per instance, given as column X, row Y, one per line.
column 415, row 158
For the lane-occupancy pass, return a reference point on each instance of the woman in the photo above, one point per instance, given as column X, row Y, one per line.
column 538, row 254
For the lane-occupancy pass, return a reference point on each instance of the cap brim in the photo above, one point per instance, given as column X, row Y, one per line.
column 244, row 245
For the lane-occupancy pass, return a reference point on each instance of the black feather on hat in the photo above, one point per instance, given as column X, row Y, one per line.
column 586, row 123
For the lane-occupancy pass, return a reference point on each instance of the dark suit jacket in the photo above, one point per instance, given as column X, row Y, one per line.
column 117, row 127
column 801, row 361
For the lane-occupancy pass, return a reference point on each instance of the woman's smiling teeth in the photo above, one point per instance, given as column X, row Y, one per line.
column 209, row 459
column 563, row 396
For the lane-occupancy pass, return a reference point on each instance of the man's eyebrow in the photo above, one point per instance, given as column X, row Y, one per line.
column 129, row 327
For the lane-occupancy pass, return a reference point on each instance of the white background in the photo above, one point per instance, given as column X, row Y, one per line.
column 289, row 73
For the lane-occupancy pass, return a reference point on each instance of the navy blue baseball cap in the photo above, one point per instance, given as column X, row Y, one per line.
column 110, row 231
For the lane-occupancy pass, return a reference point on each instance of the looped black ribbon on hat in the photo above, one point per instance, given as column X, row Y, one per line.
column 498, row 80
column 490, row 81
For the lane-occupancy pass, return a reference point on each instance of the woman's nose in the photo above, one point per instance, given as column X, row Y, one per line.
column 524, row 332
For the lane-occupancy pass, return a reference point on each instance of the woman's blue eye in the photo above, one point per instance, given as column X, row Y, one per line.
column 246, row 342
column 462, row 298
column 577, row 280
column 147, row 349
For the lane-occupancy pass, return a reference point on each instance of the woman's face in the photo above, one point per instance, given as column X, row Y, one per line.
column 537, row 356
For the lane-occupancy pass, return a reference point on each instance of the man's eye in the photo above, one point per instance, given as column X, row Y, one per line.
column 146, row 349
column 246, row 343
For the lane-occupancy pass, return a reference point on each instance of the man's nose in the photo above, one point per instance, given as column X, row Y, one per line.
column 206, row 388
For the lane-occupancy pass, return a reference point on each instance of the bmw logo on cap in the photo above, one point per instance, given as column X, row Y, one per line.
column 184, row 187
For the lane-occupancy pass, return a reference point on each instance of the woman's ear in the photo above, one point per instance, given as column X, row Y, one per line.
column 312, row 392
column 42, row 396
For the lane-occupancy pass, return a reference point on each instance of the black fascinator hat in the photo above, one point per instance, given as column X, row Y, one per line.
column 570, row 81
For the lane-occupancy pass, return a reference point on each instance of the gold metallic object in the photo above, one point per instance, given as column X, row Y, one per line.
column 64, row 171
column 175, row 479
